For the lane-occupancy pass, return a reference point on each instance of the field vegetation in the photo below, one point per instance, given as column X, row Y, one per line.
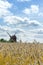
column 21, row 53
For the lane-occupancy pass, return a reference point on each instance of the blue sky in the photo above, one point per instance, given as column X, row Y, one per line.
column 23, row 18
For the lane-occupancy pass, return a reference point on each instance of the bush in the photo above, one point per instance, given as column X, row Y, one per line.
column 2, row 40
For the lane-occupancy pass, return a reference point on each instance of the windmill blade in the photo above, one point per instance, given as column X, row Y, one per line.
column 8, row 34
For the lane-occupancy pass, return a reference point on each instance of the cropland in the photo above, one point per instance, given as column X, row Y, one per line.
column 21, row 53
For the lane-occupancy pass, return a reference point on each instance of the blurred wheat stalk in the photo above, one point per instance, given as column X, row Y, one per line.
column 21, row 54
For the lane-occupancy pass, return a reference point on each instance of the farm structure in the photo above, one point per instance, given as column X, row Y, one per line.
column 13, row 38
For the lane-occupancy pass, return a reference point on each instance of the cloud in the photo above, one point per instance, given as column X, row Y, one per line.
column 22, row 34
column 32, row 9
column 10, row 29
column 32, row 34
column 9, row 18
column 4, row 8
column 22, row 26
column 3, row 33
column 4, row 4
column 13, row 19
column 20, row 22
column 40, row 14
column 34, row 23
column 23, row 0
column 26, row 11
column 40, row 32
column 5, row 28
column 19, row 30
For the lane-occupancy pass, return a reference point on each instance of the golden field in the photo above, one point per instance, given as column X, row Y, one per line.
column 21, row 54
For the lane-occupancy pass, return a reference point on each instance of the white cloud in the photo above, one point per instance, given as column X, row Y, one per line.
column 5, row 28
column 27, row 11
column 32, row 9
column 5, row 4
column 36, row 31
column 24, row 35
column 15, row 19
column 10, row 29
column 23, row 0
column 34, row 22
column 9, row 18
column 40, row 14
column 4, row 8
column 19, row 29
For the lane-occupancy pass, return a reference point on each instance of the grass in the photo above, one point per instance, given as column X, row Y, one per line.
column 21, row 54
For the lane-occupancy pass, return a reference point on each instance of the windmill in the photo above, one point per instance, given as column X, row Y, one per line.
column 13, row 38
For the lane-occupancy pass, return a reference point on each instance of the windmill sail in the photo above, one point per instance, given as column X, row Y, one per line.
column 9, row 34
column 12, row 38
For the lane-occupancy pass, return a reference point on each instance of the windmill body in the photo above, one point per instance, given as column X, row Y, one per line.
column 12, row 38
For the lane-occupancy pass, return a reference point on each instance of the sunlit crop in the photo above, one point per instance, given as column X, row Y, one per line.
column 21, row 54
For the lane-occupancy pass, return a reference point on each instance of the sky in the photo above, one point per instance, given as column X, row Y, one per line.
column 24, row 18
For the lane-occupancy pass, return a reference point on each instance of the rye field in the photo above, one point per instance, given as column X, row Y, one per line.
column 21, row 54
